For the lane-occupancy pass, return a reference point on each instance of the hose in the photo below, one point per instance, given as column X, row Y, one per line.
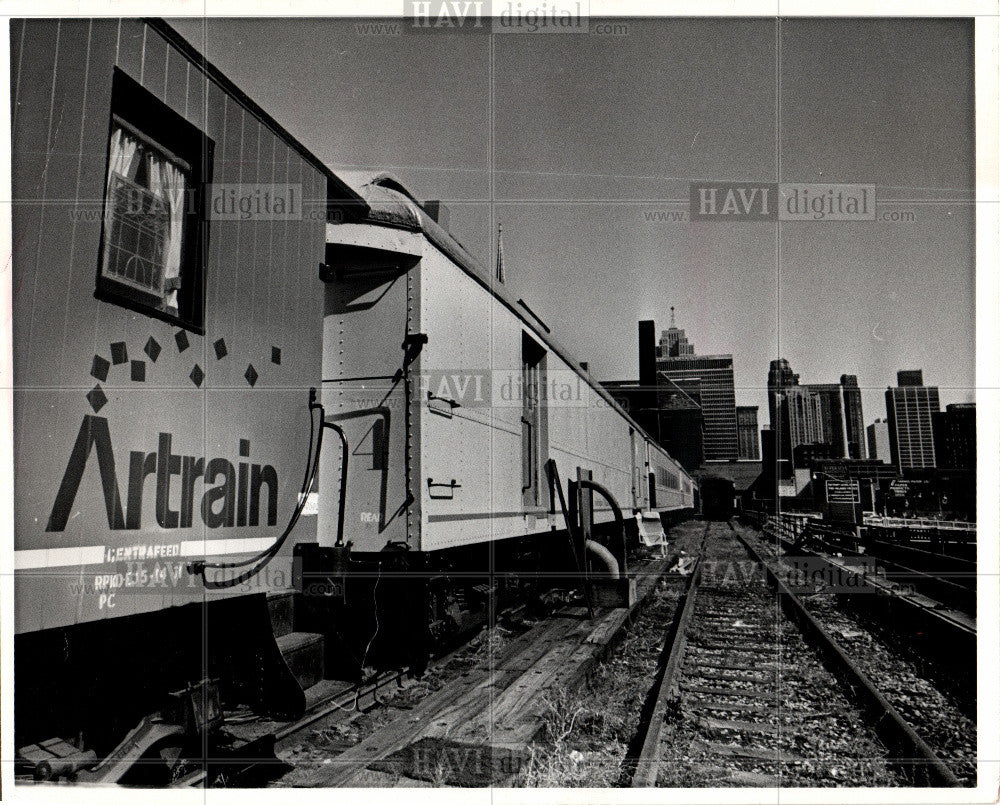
column 264, row 557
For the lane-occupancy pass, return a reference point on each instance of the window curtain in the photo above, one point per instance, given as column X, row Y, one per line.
column 124, row 148
column 167, row 184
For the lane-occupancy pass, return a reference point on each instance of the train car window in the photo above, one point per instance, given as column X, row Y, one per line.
column 534, row 430
column 154, row 226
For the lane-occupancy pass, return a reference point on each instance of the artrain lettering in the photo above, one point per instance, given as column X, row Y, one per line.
column 227, row 501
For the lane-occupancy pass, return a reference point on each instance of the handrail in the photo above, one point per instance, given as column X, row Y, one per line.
column 344, row 458
column 920, row 523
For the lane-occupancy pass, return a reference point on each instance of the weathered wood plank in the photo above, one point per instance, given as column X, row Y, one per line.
column 478, row 733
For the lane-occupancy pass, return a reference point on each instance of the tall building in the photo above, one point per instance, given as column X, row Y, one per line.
column 955, row 437
column 832, row 425
column 673, row 342
column 681, row 420
column 780, row 377
column 797, row 412
column 669, row 411
column 878, row 441
column 854, row 419
column 717, row 391
column 910, row 408
column 791, row 407
column 747, row 432
column 805, row 416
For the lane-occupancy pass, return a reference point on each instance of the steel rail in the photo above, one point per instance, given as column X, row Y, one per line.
column 916, row 756
column 676, row 641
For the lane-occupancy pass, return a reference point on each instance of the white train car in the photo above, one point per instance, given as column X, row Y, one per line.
column 164, row 348
column 454, row 397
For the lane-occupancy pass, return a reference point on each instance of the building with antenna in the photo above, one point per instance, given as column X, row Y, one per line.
column 712, row 375
column 673, row 342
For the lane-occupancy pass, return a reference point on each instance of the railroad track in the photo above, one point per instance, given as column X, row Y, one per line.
column 755, row 692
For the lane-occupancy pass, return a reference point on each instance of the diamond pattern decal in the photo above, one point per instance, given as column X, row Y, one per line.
column 97, row 398
column 119, row 352
column 152, row 349
column 100, row 367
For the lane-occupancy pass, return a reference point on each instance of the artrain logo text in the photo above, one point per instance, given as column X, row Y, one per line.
column 232, row 496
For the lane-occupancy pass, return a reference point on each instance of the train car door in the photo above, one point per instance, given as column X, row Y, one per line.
column 534, row 425
column 367, row 337
column 638, row 486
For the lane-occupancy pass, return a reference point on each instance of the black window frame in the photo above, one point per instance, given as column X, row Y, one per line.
column 165, row 130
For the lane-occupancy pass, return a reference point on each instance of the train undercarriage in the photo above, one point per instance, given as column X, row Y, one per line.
column 166, row 680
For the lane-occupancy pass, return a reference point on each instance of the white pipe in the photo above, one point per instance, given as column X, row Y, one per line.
column 605, row 556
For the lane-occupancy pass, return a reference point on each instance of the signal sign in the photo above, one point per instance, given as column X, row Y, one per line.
column 843, row 492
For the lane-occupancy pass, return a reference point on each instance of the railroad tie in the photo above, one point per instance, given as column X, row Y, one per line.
column 731, row 692
column 752, row 753
column 741, row 707
column 734, row 725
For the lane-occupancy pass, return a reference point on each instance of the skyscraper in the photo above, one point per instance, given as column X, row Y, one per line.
column 718, row 393
column 854, row 420
column 681, row 420
column 746, row 427
column 955, row 437
column 791, row 406
column 805, row 416
column 910, row 408
column 779, row 378
column 832, row 430
column 878, row 441
column 673, row 342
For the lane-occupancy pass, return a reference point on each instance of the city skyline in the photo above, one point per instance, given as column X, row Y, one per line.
column 586, row 200
column 875, row 396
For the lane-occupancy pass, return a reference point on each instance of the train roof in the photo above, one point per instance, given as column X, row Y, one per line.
column 390, row 203
column 337, row 189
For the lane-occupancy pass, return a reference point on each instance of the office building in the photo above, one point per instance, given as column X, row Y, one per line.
column 910, row 408
column 955, row 437
column 717, row 391
column 878, row 441
column 681, row 420
column 792, row 409
column 832, row 430
column 747, row 432
column 779, row 377
column 804, row 409
column 854, row 419
column 673, row 342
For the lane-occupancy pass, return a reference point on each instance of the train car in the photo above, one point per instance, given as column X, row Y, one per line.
column 718, row 497
column 256, row 443
column 166, row 334
column 457, row 402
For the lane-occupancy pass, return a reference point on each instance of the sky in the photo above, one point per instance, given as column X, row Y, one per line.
column 582, row 145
